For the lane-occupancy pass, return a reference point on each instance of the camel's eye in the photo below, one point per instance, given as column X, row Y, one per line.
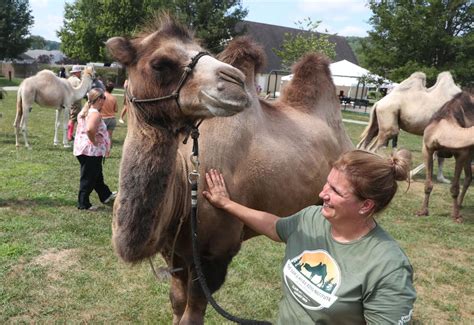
column 162, row 64
column 163, row 68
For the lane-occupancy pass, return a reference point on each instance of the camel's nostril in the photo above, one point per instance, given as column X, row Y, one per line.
column 231, row 77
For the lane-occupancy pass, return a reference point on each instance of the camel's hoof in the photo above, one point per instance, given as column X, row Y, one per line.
column 443, row 180
column 458, row 219
column 422, row 213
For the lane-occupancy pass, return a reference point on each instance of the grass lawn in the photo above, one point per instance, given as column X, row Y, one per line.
column 57, row 264
column 4, row 81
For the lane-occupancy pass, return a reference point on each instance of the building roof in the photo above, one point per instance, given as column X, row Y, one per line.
column 272, row 36
column 56, row 55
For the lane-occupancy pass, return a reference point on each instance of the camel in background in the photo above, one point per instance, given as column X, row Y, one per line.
column 451, row 129
column 266, row 149
column 409, row 106
column 48, row 90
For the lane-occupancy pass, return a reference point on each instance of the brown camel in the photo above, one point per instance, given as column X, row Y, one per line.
column 48, row 90
column 451, row 130
column 276, row 155
column 409, row 106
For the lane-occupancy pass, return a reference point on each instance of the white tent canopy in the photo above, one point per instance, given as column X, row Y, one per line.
column 345, row 73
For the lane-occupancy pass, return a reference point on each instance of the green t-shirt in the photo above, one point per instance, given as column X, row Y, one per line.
column 368, row 280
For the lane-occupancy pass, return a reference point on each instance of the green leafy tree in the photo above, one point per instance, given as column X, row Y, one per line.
column 306, row 40
column 213, row 20
column 89, row 23
column 37, row 42
column 15, row 21
column 421, row 35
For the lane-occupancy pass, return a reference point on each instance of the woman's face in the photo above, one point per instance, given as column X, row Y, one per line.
column 339, row 201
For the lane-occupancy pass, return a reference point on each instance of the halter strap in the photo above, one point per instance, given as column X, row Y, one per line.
column 175, row 94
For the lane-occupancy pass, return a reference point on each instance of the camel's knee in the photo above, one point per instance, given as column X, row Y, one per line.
column 178, row 298
column 428, row 187
column 454, row 190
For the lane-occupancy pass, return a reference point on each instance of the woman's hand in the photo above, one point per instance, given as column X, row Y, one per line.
column 216, row 192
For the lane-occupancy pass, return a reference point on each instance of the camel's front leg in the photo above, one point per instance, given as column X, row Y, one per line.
column 24, row 127
column 179, row 287
column 467, row 181
column 67, row 109
column 214, row 271
column 461, row 160
column 428, row 158
column 56, row 126
column 440, row 178
column 17, row 127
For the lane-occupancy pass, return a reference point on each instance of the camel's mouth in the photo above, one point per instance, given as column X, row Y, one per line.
column 219, row 106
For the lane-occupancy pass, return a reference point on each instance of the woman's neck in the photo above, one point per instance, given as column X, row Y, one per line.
column 349, row 232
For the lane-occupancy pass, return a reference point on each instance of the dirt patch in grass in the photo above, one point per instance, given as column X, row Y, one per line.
column 57, row 262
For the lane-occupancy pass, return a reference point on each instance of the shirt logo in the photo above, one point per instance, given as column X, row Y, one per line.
column 313, row 279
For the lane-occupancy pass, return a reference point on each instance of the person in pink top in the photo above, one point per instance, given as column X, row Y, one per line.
column 91, row 145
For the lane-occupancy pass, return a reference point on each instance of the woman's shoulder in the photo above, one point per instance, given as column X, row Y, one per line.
column 386, row 248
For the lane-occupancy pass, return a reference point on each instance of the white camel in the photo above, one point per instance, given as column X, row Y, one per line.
column 409, row 106
column 48, row 90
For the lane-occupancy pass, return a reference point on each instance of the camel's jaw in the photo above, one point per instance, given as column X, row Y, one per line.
column 217, row 89
column 223, row 106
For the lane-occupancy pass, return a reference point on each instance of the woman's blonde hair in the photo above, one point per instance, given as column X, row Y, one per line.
column 375, row 177
column 92, row 96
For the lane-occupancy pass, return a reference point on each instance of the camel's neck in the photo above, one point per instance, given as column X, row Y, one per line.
column 81, row 90
column 151, row 193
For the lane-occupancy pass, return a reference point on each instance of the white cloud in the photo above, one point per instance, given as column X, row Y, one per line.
column 47, row 26
column 332, row 6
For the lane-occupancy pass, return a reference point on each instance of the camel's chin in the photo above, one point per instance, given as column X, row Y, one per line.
column 218, row 106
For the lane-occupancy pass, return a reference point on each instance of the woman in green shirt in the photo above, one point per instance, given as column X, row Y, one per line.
column 340, row 266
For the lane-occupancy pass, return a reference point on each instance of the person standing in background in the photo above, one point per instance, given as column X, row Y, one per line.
column 91, row 145
column 109, row 109
column 75, row 81
column 62, row 73
column 125, row 102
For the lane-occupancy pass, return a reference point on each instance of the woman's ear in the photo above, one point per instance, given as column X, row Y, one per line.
column 367, row 206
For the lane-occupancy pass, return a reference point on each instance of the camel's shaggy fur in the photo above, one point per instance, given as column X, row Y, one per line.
column 263, row 151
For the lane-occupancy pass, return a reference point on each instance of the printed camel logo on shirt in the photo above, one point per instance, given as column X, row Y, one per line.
column 313, row 278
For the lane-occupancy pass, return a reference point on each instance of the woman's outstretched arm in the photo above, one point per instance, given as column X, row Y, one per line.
column 216, row 193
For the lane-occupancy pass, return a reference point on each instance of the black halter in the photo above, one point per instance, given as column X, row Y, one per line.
column 175, row 94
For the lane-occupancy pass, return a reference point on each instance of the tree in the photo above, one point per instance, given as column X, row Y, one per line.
column 421, row 35
column 15, row 21
column 213, row 20
column 37, row 42
column 44, row 58
column 89, row 23
column 307, row 40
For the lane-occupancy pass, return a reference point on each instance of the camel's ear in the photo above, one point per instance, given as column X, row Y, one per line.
column 121, row 49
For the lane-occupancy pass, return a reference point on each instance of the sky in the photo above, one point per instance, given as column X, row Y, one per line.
column 342, row 17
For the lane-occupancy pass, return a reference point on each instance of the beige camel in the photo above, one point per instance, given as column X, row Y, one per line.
column 409, row 107
column 451, row 129
column 275, row 155
column 47, row 89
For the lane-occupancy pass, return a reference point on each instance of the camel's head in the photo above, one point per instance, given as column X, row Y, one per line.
column 157, row 61
column 88, row 72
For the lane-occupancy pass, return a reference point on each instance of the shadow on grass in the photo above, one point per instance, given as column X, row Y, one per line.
column 37, row 202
